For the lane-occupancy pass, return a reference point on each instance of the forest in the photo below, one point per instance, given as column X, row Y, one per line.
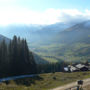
column 15, row 58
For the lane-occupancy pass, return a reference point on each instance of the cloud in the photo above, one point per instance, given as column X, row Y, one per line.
column 50, row 16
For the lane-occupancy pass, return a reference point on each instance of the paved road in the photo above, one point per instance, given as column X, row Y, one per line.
column 86, row 82
column 16, row 77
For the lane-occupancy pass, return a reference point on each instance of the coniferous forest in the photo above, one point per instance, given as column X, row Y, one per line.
column 15, row 58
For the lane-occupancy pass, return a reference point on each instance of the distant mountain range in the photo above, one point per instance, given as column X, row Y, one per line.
column 33, row 33
column 71, row 44
column 60, row 41
column 77, row 33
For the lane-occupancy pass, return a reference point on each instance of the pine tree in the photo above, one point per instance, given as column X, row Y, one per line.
column 16, row 58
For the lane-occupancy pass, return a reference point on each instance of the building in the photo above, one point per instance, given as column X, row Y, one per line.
column 70, row 68
column 75, row 68
column 82, row 67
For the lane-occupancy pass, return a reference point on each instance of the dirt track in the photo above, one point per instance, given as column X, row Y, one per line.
column 86, row 82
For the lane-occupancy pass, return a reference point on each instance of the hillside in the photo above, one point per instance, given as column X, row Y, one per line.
column 77, row 33
column 77, row 41
column 39, row 60
column 34, row 33
column 72, row 44
column 55, row 42
column 44, row 81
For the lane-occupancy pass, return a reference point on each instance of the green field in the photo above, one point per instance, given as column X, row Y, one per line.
column 44, row 81
column 78, row 52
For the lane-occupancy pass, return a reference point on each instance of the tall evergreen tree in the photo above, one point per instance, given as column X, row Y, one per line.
column 15, row 58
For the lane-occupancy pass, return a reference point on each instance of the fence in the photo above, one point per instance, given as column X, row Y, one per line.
column 75, row 88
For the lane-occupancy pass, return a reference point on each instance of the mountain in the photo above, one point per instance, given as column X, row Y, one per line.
column 56, row 42
column 7, row 40
column 77, row 33
column 76, row 40
column 71, row 44
column 39, row 60
column 34, row 33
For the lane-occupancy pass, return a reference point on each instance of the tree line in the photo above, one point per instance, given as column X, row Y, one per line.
column 15, row 58
column 51, row 67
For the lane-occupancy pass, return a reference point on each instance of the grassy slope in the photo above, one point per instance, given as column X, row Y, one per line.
column 44, row 81
column 56, row 52
column 76, row 45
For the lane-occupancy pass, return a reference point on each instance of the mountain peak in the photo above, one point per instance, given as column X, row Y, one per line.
column 87, row 24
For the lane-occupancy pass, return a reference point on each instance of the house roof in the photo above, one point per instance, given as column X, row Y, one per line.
column 66, row 68
column 79, row 66
column 72, row 68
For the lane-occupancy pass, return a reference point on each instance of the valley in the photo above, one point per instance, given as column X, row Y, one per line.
column 54, row 43
column 70, row 45
column 44, row 44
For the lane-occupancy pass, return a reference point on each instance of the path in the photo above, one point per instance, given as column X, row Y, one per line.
column 86, row 82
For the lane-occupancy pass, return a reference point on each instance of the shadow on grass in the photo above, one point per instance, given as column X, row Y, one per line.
column 25, row 81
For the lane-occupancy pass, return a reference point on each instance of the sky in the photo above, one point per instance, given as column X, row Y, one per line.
column 43, row 12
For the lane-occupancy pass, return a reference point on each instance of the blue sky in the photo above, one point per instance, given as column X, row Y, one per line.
column 41, row 5
column 57, row 4
column 42, row 11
